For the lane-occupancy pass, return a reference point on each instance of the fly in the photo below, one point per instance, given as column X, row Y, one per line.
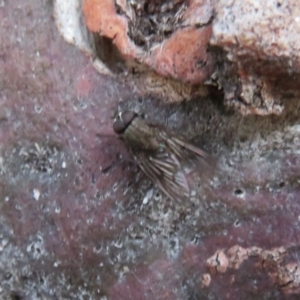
column 161, row 156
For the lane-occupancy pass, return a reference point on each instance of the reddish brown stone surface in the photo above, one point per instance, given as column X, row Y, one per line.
column 261, row 43
column 182, row 56
column 79, row 222
column 101, row 16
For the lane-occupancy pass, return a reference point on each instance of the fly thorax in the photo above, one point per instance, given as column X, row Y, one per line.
column 140, row 135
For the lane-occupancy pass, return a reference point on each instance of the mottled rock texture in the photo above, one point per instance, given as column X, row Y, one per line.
column 78, row 220
column 261, row 43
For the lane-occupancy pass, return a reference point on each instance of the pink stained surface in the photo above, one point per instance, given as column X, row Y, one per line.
column 70, row 230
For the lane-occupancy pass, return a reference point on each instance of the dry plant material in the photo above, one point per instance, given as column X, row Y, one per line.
column 153, row 21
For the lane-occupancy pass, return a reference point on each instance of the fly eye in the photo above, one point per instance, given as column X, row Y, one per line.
column 127, row 117
column 119, row 127
column 123, row 121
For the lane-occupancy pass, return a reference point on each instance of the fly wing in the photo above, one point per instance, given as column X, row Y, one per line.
column 165, row 165
column 187, row 152
column 164, row 169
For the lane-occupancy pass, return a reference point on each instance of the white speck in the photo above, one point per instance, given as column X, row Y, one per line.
column 37, row 146
column 297, row 19
column 193, row 193
column 38, row 109
column 3, row 244
column 36, row 194
column 56, row 264
column 145, row 200
column 97, row 250
column 64, row 165
column 115, row 186
column 6, row 199
column 147, row 197
column 118, row 244
column 57, row 209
